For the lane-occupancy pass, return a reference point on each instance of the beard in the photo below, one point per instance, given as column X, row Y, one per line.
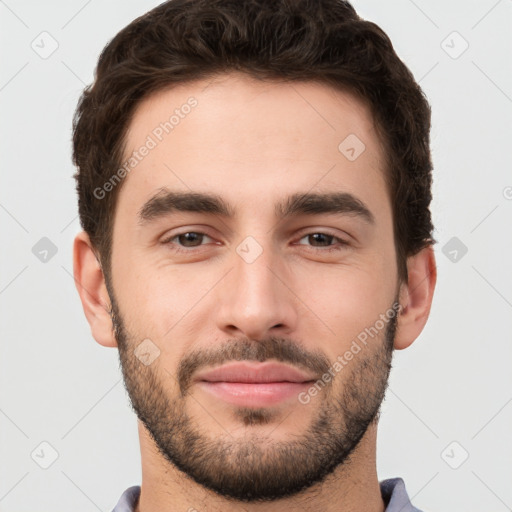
column 255, row 468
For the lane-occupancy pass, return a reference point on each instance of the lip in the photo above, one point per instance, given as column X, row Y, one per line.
column 254, row 384
column 255, row 373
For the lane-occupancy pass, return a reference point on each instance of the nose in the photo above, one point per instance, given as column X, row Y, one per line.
column 256, row 298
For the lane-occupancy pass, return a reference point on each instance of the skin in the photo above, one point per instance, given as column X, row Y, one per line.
column 253, row 144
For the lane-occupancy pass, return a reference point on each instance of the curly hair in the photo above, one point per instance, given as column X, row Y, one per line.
column 283, row 40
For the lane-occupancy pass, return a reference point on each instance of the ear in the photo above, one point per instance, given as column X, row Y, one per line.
column 90, row 283
column 416, row 297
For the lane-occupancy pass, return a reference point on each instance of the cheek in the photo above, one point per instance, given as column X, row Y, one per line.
column 346, row 300
column 163, row 301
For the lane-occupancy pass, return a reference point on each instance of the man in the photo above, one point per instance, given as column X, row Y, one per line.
column 254, row 186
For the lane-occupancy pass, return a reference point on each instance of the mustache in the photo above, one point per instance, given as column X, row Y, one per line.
column 272, row 348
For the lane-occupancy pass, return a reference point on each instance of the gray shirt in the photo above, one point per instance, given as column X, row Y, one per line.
column 392, row 490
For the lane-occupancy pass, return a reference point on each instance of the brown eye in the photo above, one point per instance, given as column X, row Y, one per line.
column 186, row 240
column 319, row 240
column 190, row 239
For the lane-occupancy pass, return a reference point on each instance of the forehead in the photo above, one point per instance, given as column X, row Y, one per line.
column 244, row 138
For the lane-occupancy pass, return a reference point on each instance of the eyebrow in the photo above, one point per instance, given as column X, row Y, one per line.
column 166, row 202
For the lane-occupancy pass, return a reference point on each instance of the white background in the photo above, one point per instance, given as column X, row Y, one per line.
column 57, row 385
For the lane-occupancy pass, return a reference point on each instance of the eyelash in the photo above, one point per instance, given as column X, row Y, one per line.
column 342, row 243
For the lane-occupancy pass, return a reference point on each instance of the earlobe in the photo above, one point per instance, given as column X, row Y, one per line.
column 90, row 284
column 416, row 297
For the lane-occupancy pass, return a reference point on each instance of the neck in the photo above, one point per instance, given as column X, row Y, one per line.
column 352, row 486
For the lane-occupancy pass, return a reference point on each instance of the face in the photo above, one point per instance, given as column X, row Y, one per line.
column 253, row 237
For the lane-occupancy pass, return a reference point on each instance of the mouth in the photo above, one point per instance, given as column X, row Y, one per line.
column 254, row 384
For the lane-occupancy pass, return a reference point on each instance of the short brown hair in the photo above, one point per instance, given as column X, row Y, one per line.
column 284, row 40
